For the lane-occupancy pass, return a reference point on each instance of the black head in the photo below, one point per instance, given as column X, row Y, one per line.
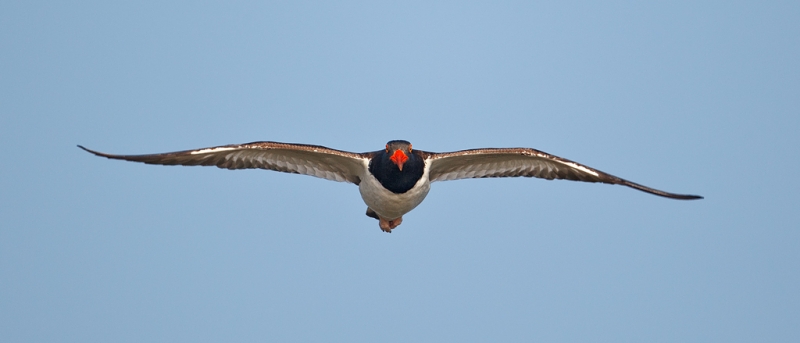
column 399, row 152
column 397, row 168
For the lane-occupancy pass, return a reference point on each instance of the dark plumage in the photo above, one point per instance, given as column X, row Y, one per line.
column 390, row 176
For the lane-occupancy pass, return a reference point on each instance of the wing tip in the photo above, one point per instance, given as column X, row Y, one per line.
column 88, row 150
column 686, row 197
column 97, row 153
column 660, row 192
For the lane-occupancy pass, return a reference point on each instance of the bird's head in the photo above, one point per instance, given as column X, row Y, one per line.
column 398, row 152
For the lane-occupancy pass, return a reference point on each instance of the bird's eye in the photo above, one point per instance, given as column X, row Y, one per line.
column 387, row 147
column 409, row 148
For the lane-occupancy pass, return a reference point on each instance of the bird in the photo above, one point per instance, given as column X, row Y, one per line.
column 392, row 181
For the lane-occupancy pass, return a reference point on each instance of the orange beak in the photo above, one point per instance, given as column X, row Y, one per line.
column 399, row 158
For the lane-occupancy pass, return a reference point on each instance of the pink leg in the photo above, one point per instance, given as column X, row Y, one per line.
column 395, row 223
column 387, row 225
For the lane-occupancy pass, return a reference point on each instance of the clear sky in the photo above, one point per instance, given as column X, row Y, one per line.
column 689, row 97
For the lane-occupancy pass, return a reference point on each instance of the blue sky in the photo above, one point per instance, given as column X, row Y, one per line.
column 688, row 97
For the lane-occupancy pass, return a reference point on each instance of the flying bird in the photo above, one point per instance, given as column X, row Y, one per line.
column 392, row 181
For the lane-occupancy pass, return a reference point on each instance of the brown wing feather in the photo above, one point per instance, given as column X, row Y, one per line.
column 304, row 159
column 526, row 162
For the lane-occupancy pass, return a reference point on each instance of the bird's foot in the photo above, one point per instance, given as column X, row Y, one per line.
column 387, row 225
column 395, row 223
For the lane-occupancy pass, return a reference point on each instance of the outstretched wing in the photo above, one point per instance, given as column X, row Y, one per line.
column 514, row 162
column 319, row 161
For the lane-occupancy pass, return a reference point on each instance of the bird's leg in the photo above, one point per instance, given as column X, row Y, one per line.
column 387, row 225
column 395, row 223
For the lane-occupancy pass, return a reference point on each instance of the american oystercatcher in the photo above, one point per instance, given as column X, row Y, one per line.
column 392, row 181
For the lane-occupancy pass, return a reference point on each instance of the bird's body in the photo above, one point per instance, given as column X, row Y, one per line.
column 392, row 181
column 389, row 204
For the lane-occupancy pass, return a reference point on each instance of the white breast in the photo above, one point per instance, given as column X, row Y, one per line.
column 391, row 205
